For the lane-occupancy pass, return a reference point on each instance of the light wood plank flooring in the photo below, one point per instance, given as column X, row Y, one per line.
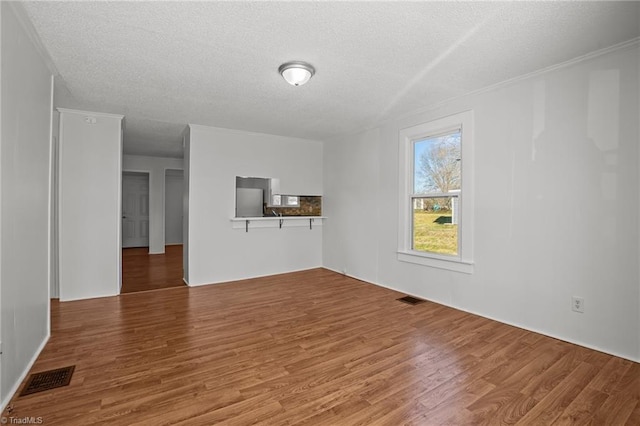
column 142, row 271
column 315, row 348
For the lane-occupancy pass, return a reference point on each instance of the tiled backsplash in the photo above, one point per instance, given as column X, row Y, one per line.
column 309, row 206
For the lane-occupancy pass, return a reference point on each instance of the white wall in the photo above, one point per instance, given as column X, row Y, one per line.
column 156, row 167
column 25, row 199
column 174, row 186
column 352, row 205
column 54, row 285
column 219, row 253
column 186, row 143
column 557, row 201
column 90, row 204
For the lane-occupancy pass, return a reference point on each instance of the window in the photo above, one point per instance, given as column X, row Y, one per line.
column 292, row 201
column 436, row 192
column 436, row 200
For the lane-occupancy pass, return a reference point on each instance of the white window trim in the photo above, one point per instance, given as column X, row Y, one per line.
column 463, row 262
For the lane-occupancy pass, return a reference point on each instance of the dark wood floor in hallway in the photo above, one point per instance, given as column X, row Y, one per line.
column 317, row 348
column 142, row 271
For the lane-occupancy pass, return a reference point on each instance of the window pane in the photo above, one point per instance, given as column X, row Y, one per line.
column 435, row 225
column 437, row 164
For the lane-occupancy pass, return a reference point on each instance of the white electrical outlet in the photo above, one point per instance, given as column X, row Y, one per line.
column 577, row 304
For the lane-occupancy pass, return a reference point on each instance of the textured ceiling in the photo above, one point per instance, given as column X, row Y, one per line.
column 166, row 64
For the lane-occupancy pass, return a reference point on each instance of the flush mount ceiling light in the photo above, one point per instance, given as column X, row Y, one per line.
column 296, row 73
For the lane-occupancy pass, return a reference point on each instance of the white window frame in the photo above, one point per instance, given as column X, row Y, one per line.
column 463, row 261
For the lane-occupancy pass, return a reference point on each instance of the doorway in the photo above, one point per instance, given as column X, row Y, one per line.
column 152, row 203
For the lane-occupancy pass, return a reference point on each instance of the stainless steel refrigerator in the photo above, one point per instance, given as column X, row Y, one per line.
column 249, row 202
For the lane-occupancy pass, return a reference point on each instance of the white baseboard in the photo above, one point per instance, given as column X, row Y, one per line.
column 250, row 277
column 523, row 327
column 18, row 382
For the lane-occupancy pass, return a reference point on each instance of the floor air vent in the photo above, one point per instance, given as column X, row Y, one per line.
column 46, row 380
column 410, row 300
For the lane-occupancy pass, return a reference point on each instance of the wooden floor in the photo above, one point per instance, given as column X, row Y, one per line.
column 315, row 348
column 142, row 271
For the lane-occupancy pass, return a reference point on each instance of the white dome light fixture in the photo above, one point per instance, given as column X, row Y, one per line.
column 296, row 73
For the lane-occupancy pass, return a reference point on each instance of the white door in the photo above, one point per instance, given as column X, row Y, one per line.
column 135, row 210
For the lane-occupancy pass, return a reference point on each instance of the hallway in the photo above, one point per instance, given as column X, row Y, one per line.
column 142, row 271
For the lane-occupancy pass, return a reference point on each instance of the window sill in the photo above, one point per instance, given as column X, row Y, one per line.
column 455, row 265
